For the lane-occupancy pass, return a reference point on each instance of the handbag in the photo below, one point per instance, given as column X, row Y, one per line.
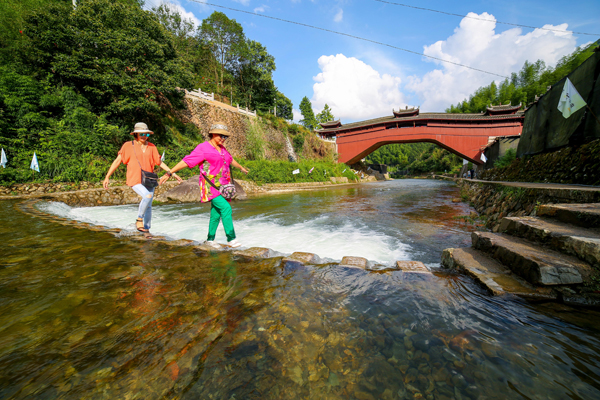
column 149, row 179
column 228, row 190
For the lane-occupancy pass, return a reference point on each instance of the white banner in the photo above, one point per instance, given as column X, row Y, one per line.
column 483, row 157
column 34, row 163
column 465, row 162
column 570, row 100
column 296, row 171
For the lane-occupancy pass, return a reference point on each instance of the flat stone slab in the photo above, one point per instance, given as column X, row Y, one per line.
column 415, row 267
column 495, row 277
column 302, row 258
column 582, row 243
column 585, row 215
column 535, row 263
column 254, row 253
column 355, row 262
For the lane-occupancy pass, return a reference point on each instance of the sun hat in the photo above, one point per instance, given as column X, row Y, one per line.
column 219, row 128
column 141, row 127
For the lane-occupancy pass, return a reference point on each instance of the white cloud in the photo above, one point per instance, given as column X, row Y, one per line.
column 354, row 90
column 243, row 2
column 475, row 43
column 261, row 9
column 297, row 115
column 338, row 17
column 175, row 6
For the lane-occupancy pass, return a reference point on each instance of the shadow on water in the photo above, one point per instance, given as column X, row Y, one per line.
column 84, row 314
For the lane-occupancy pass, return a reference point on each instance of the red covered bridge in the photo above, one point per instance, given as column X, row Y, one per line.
column 465, row 135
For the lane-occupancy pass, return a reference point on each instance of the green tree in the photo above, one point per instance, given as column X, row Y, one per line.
column 114, row 53
column 255, row 72
column 325, row 116
column 309, row 121
column 226, row 40
column 284, row 106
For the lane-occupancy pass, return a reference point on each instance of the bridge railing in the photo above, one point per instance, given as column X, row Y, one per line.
column 201, row 94
column 246, row 111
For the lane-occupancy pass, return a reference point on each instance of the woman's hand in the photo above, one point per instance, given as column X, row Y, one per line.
column 105, row 183
column 163, row 179
column 179, row 180
column 244, row 170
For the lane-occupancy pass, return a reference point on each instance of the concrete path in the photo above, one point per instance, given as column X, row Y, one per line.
column 528, row 185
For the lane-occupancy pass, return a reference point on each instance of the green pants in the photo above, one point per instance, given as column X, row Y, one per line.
column 220, row 209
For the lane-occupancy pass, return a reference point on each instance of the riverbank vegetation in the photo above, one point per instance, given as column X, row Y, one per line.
column 74, row 81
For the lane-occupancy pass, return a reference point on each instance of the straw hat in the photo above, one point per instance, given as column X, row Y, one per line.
column 141, row 127
column 219, row 128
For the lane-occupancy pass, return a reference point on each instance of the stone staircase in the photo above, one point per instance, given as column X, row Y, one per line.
column 554, row 255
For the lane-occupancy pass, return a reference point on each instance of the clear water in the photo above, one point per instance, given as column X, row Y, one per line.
column 84, row 314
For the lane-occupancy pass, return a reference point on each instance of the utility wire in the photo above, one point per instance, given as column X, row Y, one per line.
column 348, row 35
column 482, row 19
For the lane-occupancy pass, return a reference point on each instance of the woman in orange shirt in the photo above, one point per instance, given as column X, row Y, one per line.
column 137, row 155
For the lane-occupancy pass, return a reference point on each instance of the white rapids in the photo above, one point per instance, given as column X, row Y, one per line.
column 317, row 235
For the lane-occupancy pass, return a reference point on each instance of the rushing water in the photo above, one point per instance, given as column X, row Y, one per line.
column 84, row 314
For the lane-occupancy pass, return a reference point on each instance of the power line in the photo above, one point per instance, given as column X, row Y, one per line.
column 351, row 36
column 483, row 19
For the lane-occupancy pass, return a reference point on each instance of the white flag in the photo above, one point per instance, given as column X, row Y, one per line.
column 570, row 100
column 483, row 157
column 3, row 159
column 296, row 171
column 34, row 163
column 465, row 162
column 344, row 170
column 162, row 158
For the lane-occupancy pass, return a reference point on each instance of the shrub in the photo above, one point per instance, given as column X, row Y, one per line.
column 506, row 159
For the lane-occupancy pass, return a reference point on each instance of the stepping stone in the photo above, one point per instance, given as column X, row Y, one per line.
column 495, row 277
column 302, row 258
column 585, row 215
column 537, row 264
column 580, row 242
column 354, row 262
column 254, row 253
column 415, row 267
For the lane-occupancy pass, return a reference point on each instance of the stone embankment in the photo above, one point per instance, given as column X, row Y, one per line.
column 291, row 261
column 536, row 250
column 496, row 200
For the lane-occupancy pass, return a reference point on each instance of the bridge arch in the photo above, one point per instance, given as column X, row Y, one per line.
column 465, row 135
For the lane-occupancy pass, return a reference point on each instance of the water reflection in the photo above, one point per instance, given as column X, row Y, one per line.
column 86, row 315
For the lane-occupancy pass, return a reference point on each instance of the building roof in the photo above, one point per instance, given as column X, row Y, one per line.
column 502, row 109
column 429, row 116
column 406, row 113
column 331, row 124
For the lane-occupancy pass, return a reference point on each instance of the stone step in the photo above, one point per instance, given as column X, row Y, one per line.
column 585, row 215
column 582, row 243
column 495, row 277
column 537, row 264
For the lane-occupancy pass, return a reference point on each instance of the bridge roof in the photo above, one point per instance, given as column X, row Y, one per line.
column 428, row 116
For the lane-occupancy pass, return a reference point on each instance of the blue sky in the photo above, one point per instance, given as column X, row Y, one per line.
column 361, row 80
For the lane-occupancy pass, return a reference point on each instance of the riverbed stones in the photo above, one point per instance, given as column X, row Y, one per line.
column 413, row 267
column 300, row 257
column 540, row 266
column 359, row 262
column 254, row 253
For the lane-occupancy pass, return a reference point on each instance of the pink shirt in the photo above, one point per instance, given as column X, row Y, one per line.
column 213, row 164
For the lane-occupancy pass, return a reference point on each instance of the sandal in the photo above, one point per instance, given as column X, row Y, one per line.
column 139, row 224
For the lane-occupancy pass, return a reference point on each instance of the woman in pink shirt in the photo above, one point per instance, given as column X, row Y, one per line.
column 214, row 161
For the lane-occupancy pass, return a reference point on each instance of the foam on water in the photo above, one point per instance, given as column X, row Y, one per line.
column 317, row 235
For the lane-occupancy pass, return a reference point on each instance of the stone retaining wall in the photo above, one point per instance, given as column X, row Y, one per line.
column 494, row 201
